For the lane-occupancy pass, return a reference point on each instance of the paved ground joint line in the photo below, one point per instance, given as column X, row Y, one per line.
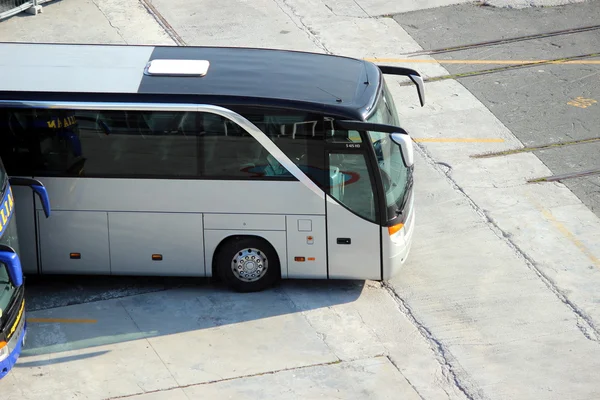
column 567, row 233
column 96, row 300
column 441, row 353
column 362, row 8
column 375, row 334
column 585, row 323
column 321, row 336
column 149, row 344
column 297, row 20
column 324, row 364
column 110, row 22
column 405, row 378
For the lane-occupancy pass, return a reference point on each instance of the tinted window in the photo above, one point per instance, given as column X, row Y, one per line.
column 6, row 288
column 299, row 135
column 349, row 180
column 39, row 140
column 350, row 183
column 147, row 144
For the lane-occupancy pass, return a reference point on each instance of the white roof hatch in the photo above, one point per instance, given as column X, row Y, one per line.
column 177, row 67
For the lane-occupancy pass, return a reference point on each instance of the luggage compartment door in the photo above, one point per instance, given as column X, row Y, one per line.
column 161, row 244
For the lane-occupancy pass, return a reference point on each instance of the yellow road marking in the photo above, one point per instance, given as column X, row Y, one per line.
column 508, row 62
column 460, row 140
column 581, row 102
column 62, row 320
column 568, row 234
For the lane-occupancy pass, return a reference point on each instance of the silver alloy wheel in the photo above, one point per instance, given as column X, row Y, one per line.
column 249, row 265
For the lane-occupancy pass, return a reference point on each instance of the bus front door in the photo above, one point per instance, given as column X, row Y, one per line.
column 352, row 235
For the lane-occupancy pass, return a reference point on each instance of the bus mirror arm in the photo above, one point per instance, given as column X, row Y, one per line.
column 411, row 73
column 406, row 147
column 417, row 80
column 38, row 188
column 369, row 126
column 9, row 258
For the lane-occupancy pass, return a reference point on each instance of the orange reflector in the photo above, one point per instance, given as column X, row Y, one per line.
column 395, row 228
column 300, row 259
column 2, row 344
column 157, row 257
column 75, row 256
column 311, row 259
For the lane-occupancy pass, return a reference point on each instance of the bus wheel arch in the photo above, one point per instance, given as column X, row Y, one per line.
column 246, row 263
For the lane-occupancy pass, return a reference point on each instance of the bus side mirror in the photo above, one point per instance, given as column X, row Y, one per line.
column 406, row 146
column 39, row 189
column 9, row 258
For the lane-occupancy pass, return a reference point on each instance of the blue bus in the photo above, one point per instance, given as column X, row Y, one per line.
column 13, row 326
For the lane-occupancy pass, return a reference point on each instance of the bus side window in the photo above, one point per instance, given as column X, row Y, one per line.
column 14, row 150
column 350, row 183
column 40, row 141
column 349, row 180
column 228, row 151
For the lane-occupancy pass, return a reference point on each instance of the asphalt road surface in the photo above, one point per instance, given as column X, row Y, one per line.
column 541, row 104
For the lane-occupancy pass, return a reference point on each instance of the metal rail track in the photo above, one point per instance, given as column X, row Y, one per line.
column 560, row 178
column 502, row 69
column 504, row 41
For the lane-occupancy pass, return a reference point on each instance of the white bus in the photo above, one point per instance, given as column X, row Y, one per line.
column 249, row 165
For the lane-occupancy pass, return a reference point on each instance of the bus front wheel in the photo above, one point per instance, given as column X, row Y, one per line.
column 247, row 264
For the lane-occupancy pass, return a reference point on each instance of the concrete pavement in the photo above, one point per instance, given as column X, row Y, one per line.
column 498, row 299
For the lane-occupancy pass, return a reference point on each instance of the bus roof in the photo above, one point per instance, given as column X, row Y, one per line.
column 335, row 84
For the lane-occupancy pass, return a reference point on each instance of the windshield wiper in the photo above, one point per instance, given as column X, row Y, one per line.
column 409, row 185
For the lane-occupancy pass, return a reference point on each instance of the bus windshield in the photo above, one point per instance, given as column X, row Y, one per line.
column 7, row 290
column 396, row 177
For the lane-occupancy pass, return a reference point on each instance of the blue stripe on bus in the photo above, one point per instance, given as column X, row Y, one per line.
column 6, row 209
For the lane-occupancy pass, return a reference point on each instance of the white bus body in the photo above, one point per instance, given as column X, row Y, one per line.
column 190, row 182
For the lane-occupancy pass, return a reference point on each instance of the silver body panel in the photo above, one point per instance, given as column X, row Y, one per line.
column 306, row 237
column 65, row 232
column 396, row 248
column 261, row 222
column 359, row 259
column 178, row 195
column 122, row 222
column 135, row 237
column 134, row 217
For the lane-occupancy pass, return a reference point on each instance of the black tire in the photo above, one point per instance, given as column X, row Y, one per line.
column 239, row 251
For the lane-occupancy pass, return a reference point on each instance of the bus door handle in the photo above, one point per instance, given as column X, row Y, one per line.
column 344, row 240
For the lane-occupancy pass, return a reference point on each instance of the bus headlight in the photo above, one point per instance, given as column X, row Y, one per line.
column 3, row 351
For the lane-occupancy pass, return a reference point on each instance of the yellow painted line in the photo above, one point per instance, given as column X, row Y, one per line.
column 582, row 102
column 507, row 62
column 459, row 140
column 568, row 234
column 62, row 320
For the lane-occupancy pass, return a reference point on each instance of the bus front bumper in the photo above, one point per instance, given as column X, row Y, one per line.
column 14, row 345
column 397, row 247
